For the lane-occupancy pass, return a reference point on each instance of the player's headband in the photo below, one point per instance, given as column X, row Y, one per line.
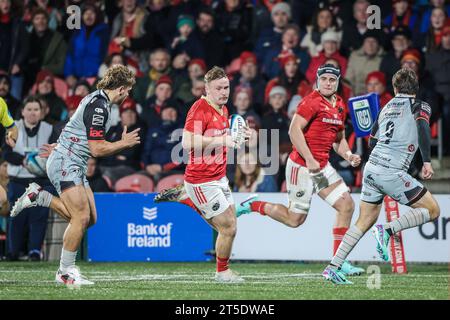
column 328, row 68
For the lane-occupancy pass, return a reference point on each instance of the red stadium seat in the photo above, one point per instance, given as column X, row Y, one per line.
column 135, row 183
column 169, row 182
column 283, row 186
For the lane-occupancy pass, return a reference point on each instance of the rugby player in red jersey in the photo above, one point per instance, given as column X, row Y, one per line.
column 207, row 187
column 317, row 126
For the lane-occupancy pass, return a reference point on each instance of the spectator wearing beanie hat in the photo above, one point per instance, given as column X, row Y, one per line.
column 376, row 82
column 151, row 111
column 45, row 87
column 158, row 145
column 363, row 61
column 276, row 118
column 290, row 77
column 330, row 42
column 289, row 43
column 186, row 41
column 248, row 76
column 127, row 161
column 412, row 59
column 271, row 37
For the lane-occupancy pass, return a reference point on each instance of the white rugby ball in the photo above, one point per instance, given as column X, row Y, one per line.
column 237, row 125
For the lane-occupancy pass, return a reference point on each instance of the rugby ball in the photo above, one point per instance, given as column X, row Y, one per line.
column 237, row 125
column 35, row 164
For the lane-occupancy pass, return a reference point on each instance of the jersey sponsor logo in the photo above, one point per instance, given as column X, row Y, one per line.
column 300, row 194
column 95, row 133
column 411, row 148
column 332, row 121
column 75, row 139
column 97, row 120
column 99, row 110
column 363, row 116
column 426, row 107
column 216, row 206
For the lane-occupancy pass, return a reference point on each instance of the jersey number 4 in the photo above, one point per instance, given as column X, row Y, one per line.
column 389, row 131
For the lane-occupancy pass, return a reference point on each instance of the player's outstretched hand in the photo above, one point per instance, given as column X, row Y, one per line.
column 427, row 171
column 131, row 138
column 355, row 160
column 46, row 149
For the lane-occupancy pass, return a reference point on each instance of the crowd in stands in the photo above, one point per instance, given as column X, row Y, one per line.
column 271, row 50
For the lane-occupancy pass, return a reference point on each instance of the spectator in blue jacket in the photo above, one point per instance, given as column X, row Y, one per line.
column 426, row 17
column 159, row 143
column 88, row 46
column 250, row 176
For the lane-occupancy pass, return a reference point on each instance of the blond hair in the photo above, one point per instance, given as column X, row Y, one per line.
column 214, row 74
column 115, row 77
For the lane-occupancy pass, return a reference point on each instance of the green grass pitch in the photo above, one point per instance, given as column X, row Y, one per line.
column 185, row 281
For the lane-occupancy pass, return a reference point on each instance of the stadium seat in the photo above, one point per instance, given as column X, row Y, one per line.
column 169, row 182
column 283, row 186
column 134, row 183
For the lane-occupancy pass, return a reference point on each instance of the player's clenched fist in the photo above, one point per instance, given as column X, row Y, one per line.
column 354, row 159
column 131, row 138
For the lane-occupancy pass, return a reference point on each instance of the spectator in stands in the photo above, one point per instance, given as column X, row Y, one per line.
column 363, row 61
column 353, row 31
column 5, row 93
column 196, row 69
column 390, row 64
column 82, row 88
column 376, row 82
column 96, row 181
column 426, row 16
column 438, row 65
column 34, row 133
column 159, row 61
column 151, row 111
column 234, row 22
column 127, row 161
column 271, row 37
column 112, row 60
column 249, row 76
column 87, row 47
column 45, row 84
column 197, row 91
column 133, row 34
column 72, row 104
column 432, row 39
column 412, row 59
column 14, row 47
column 290, row 78
column 289, row 43
column 261, row 19
column 330, row 43
column 54, row 17
column 242, row 102
column 276, row 118
column 159, row 143
column 207, row 34
column 251, row 177
column 402, row 15
column 48, row 48
column 186, row 41
column 323, row 21
column 157, row 24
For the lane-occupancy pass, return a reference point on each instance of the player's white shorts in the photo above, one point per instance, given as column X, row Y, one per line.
column 211, row 198
column 301, row 186
column 399, row 185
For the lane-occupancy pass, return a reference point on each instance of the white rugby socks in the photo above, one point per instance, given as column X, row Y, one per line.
column 67, row 260
column 413, row 218
column 351, row 238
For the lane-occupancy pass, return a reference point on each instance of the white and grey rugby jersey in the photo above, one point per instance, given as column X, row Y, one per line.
column 91, row 121
column 397, row 133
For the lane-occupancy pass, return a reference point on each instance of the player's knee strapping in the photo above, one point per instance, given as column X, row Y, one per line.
column 336, row 194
